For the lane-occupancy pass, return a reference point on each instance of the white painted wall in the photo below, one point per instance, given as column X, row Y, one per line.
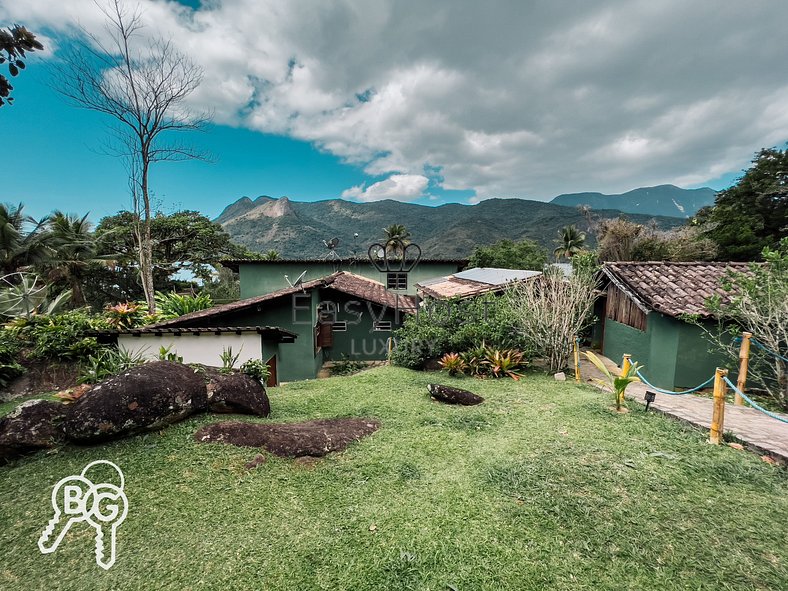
column 205, row 348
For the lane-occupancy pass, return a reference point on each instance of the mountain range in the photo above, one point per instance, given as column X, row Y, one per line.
column 668, row 200
column 297, row 229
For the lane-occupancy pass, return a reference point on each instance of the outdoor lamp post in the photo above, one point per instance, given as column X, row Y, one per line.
column 650, row 397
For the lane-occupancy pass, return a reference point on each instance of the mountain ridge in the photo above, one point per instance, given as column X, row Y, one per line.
column 297, row 229
column 667, row 200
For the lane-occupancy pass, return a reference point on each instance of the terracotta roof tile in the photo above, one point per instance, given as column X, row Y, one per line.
column 673, row 288
column 343, row 281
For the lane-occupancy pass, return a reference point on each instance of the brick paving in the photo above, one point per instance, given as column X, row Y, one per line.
column 751, row 427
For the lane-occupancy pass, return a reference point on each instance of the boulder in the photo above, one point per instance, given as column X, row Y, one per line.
column 236, row 393
column 311, row 438
column 33, row 425
column 451, row 395
column 143, row 398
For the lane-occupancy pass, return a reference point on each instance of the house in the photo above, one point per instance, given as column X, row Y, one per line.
column 471, row 283
column 259, row 277
column 645, row 310
column 295, row 330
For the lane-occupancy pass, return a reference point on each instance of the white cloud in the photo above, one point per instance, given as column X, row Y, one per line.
column 400, row 187
column 504, row 98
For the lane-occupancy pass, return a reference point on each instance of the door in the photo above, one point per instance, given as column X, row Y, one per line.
column 272, row 380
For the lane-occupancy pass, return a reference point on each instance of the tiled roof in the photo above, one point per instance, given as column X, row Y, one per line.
column 271, row 332
column 343, row 281
column 672, row 288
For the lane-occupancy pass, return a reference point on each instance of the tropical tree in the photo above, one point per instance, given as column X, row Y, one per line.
column 14, row 44
column 571, row 242
column 142, row 86
column 752, row 214
column 397, row 238
column 617, row 384
column 271, row 255
column 507, row 254
column 23, row 240
column 75, row 249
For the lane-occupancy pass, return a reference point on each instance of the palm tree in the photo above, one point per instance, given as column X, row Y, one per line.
column 271, row 255
column 571, row 242
column 397, row 237
column 23, row 240
column 75, row 249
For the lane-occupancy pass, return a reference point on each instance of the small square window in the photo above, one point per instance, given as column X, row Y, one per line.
column 397, row 280
column 339, row 326
column 382, row 325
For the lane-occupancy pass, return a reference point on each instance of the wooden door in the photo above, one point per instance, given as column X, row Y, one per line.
column 272, row 380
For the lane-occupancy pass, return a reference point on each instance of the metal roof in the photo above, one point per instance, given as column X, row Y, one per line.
column 495, row 276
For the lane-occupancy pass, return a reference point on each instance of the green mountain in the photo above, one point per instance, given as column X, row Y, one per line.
column 666, row 200
column 297, row 229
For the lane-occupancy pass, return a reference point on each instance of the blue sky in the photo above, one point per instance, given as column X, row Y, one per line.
column 422, row 103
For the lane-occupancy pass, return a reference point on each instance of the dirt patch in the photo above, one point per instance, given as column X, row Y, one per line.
column 291, row 440
column 39, row 377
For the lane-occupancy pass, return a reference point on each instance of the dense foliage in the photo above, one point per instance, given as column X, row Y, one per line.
column 15, row 43
column 507, row 254
column 451, row 326
column 752, row 214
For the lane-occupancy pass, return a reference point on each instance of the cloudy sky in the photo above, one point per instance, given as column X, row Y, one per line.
column 423, row 101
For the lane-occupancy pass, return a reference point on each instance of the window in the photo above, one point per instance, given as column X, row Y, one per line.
column 339, row 326
column 397, row 280
column 381, row 325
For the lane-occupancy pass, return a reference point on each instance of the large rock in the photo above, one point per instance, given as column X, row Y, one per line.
column 451, row 395
column 144, row 398
column 31, row 426
column 311, row 438
column 236, row 393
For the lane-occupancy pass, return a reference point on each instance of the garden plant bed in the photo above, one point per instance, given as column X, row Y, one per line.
column 540, row 487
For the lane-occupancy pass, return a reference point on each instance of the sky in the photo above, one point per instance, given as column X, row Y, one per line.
column 420, row 101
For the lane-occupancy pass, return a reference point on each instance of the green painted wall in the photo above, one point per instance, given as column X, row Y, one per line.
column 675, row 354
column 360, row 341
column 261, row 277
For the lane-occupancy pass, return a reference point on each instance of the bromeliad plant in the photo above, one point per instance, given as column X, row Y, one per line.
column 616, row 384
column 452, row 363
column 505, row 362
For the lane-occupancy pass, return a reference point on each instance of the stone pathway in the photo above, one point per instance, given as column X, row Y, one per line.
column 753, row 428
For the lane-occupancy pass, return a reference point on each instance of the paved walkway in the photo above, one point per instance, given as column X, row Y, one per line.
column 753, row 428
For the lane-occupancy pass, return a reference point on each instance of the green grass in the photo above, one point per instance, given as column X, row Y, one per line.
column 540, row 487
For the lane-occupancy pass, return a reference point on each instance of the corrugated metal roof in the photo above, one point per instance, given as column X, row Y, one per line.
column 495, row 276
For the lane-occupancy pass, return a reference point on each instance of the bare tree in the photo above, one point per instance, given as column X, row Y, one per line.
column 142, row 86
column 551, row 311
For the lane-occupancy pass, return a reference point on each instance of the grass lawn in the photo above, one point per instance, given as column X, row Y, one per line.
column 540, row 487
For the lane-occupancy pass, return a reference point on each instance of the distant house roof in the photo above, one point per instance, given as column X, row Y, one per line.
column 673, row 289
column 269, row 332
column 342, row 281
column 234, row 263
column 472, row 282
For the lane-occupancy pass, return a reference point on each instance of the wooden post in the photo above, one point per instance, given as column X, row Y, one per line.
column 626, row 363
column 744, row 363
column 718, row 415
column 577, row 361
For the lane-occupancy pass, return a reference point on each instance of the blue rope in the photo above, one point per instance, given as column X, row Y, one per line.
column 674, row 393
column 753, row 404
column 762, row 348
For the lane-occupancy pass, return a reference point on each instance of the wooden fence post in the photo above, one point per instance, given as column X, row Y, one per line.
column 577, row 361
column 744, row 363
column 626, row 363
column 718, row 414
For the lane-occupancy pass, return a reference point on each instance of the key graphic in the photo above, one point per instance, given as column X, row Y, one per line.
column 102, row 506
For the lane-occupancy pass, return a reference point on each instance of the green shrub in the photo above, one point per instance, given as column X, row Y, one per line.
column 257, row 369
column 347, row 366
column 10, row 350
column 228, row 359
column 108, row 362
column 172, row 305
column 61, row 337
column 166, row 354
column 443, row 327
